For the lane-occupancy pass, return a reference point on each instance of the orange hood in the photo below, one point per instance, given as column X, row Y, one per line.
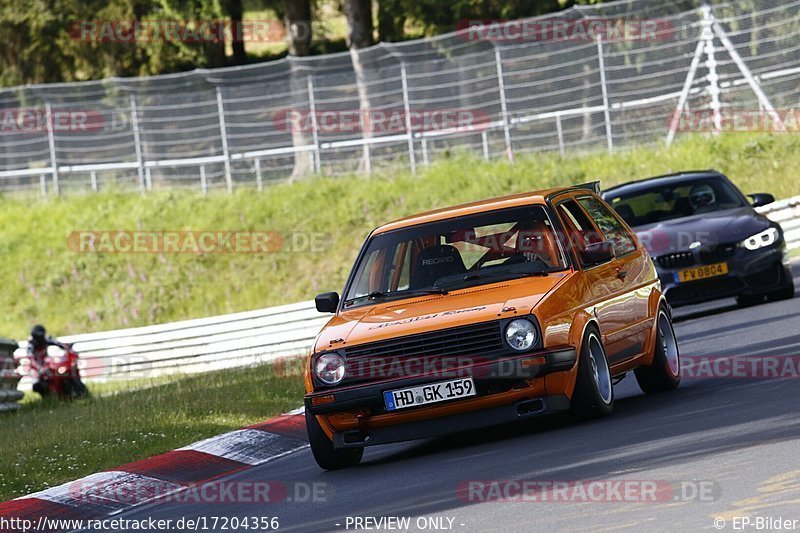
column 425, row 313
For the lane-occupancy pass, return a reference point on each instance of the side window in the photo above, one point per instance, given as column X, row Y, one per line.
column 582, row 232
column 612, row 230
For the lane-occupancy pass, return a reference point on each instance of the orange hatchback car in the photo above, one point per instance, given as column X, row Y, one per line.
column 482, row 314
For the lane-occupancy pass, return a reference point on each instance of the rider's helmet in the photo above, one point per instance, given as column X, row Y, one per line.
column 702, row 196
column 38, row 334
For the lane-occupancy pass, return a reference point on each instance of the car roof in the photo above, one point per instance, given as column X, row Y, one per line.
column 665, row 180
column 526, row 198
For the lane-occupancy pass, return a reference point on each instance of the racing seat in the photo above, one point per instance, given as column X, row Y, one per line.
column 436, row 262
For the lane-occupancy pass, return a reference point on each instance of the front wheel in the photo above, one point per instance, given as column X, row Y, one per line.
column 325, row 454
column 665, row 371
column 594, row 395
column 784, row 293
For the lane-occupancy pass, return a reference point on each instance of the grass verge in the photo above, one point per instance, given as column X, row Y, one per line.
column 49, row 443
column 70, row 292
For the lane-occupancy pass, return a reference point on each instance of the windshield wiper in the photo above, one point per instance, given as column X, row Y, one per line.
column 375, row 295
column 474, row 276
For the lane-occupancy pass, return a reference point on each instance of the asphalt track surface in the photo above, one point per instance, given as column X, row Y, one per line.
column 735, row 440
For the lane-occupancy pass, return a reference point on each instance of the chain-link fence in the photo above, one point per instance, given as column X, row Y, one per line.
column 598, row 77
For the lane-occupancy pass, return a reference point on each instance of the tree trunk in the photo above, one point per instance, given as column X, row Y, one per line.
column 359, row 23
column 297, row 18
column 359, row 35
column 234, row 9
column 391, row 21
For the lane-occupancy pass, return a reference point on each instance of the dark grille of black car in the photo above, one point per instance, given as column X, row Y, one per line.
column 417, row 354
column 676, row 260
column 717, row 254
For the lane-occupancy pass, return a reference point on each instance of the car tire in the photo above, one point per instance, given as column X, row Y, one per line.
column 664, row 373
column 325, row 454
column 594, row 393
column 749, row 300
column 784, row 293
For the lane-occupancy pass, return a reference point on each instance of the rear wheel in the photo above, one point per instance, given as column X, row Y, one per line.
column 665, row 372
column 325, row 454
column 594, row 395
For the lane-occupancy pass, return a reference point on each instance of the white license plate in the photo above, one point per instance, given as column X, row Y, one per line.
column 430, row 393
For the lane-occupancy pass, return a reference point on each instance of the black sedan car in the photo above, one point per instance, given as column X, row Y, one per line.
column 705, row 237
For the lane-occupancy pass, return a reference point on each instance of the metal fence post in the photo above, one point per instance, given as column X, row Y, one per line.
column 763, row 101
column 687, row 83
column 93, row 178
column 203, row 183
column 424, row 145
column 259, row 184
column 43, row 185
column 312, row 108
column 603, row 85
column 560, row 133
column 711, row 65
column 137, row 142
column 224, row 138
column 485, row 144
column 501, row 87
column 51, row 142
column 412, row 159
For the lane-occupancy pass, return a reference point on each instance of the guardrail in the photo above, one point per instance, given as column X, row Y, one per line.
column 199, row 345
column 9, row 395
column 787, row 214
column 246, row 338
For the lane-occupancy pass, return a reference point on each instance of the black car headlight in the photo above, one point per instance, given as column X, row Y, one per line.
column 329, row 368
column 768, row 237
column 521, row 334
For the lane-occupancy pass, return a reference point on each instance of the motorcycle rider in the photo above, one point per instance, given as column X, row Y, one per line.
column 37, row 352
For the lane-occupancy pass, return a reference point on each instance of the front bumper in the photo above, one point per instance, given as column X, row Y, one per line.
column 749, row 273
column 434, row 427
column 493, row 377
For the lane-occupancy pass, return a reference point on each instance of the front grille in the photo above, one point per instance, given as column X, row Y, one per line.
column 442, row 350
column 676, row 260
column 707, row 256
column 717, row 254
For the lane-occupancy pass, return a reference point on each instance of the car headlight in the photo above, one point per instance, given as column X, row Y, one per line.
column 521, row 334
column 767, row 237
column 329, row 368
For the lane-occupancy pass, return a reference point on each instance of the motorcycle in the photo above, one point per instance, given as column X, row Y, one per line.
column 61, row 373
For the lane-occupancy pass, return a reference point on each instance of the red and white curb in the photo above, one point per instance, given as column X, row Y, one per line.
column 107, row 493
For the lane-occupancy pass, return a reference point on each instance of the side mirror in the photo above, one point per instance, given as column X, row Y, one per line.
column 327, row 302
column 761, row 198
column 597, row 253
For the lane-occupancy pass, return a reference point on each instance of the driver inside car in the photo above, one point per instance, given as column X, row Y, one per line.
column 535, row 243
column 702, row 198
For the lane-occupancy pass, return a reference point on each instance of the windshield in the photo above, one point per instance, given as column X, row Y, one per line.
column 454, row 253
column 683, row 199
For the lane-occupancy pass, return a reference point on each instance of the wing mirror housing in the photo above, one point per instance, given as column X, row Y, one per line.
column 327, row 302
column 761, row 198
